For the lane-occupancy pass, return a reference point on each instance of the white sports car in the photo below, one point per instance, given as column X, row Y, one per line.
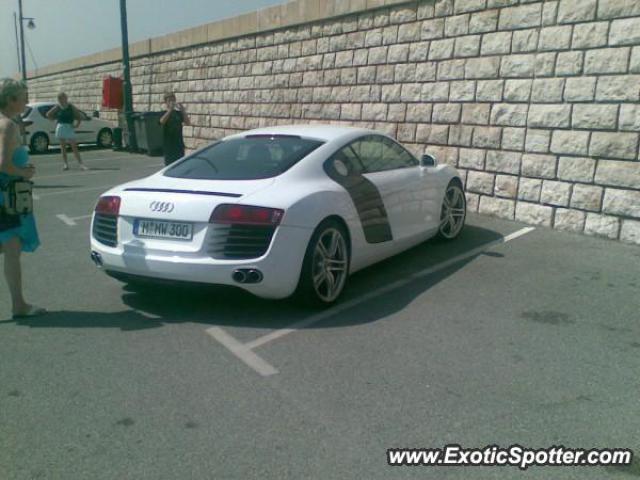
column 277, row 211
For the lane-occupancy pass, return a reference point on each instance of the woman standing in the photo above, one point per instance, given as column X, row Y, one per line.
column 69, row 118
column 14, row 162
column 172, row 121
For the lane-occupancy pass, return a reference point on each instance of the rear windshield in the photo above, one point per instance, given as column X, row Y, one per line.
column 249, row 158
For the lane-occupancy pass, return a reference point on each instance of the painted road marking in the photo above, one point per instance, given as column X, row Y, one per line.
column 96, row 172
column 245, row 351
column 71, row 221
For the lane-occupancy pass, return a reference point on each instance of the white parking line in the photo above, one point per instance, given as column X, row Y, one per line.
column 71, row 221
column 76, row 190
column 95, row 172
column 245, row 351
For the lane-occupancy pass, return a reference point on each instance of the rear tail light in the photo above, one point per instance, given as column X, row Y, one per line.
column 246, row 215
column 108, row 205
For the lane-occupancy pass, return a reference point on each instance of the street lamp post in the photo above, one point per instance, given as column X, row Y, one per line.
column 22, row 52
column 128, row 95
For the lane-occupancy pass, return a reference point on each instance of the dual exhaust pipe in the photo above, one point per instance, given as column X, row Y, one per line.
column 247, row 275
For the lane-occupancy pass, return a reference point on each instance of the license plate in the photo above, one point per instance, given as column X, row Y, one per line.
column 161, row 229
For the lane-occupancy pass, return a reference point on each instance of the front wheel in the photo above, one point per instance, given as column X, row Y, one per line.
column 105, row 138
column 326, row 265
column 453, row 212
column 39, row 143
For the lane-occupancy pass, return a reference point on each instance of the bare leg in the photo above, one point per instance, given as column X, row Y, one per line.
column 74, row 147
column 13, row 273
column 63, row 148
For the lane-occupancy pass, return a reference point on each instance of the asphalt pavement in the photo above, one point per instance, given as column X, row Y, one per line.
column 509, row 335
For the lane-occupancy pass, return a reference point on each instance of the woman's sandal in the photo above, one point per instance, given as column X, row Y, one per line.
column 32, row 312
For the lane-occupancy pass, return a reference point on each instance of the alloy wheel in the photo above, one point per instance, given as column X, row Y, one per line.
column 329, row 265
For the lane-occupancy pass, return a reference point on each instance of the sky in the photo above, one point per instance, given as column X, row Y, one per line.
column 67, row 29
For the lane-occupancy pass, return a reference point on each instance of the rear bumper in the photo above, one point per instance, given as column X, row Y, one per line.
column 280, row 265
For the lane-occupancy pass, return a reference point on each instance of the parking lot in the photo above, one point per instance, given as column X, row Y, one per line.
column 509, row 335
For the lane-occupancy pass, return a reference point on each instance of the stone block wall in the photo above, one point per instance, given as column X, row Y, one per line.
column 536, row 102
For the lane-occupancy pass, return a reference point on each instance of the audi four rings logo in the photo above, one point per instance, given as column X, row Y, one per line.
column 164, row 207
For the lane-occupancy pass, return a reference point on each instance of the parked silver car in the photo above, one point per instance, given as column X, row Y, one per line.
column 40, row 131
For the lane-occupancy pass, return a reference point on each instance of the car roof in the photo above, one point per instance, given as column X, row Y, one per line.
column 320, row 132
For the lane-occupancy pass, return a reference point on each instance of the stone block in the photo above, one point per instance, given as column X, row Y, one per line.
column 446, row 113
column 634, row 65
column 602, row 225
column 475, row 113
column 497, row 207
column 419, row 112
column 508, row 114
column 467, row 46
column 513, row 138
column 618, row 8
column 418, row 51
column 525, row 41
column 569, row 63
column 573, row 11
column 407, row 132
column 496, row 43
column 378, row 55
column 480, row 182
column 534, row 214
column 443, row 8
column 619, row 88
column 466, row 6
column 398, row 53
column 587, row 197
column 426, row 72
column 351, row 111
column 472, row 201
column 518, row 66
column 590, row 35
column 606, row 60
column 490, row 91
column 451, row 70
column 432, row 134
column 547, row 90
column 503, row 161
column 435, row 92
column 482, row 22
column 506, row 186
column 472, row 158
column 629, row 117
column 552, row 116
column 482, row 67
column 622, row 202
column 411, row 92
column 538, row 141
column 555, row 193
column 460, row 135
column 577, row 169
column 549, row 13
column 614, row 145
column 581, row 89
column 570, row 142
column 441, row 49
column 630, row 231
column 462, row 91
column 545, row 64
column 512, row 18
column 598, row 116
column 617, row 173
column 456, row 26
column 486, row 137
column 517, row 90
column 403, row 73
column 555, row 38
column 539, row 166
column 529, row 189
column 432, row 29
column 569, row 220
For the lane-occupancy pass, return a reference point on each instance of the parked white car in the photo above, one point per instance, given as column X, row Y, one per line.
column 40, row 131
column 278, row 210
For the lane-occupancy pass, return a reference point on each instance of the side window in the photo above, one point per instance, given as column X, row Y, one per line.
column 394, row 156
column 346, row 163
column 44, row 109
column 369, row 150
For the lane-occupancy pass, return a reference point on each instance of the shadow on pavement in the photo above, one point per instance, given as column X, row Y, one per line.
column 154, row 305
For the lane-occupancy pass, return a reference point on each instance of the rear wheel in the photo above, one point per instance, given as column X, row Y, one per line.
column 105, row 138
column 454, row 211
column 39, row 143
column 326, row 265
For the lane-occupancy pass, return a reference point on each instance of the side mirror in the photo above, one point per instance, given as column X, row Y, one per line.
column 428, row 160
column 96, row 114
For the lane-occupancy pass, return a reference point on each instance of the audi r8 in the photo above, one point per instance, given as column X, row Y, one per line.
column 277, row 211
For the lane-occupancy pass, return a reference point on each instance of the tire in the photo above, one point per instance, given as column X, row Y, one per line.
column 327, row 259
column 105, row 138
column 39, row 143
column 453, row 212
